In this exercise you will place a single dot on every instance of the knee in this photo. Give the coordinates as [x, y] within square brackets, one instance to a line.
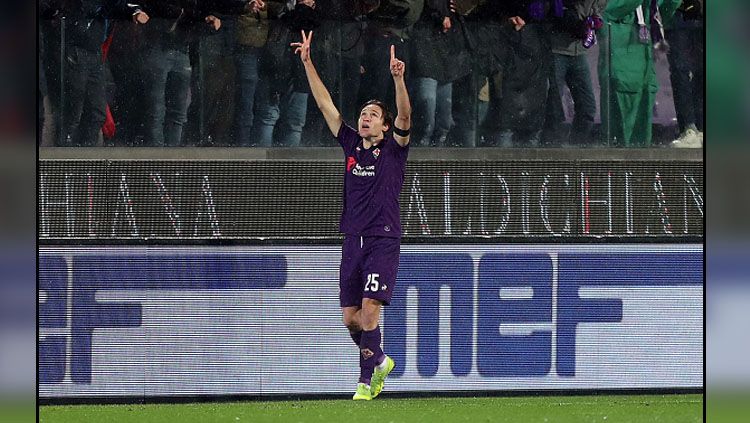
[369, 321]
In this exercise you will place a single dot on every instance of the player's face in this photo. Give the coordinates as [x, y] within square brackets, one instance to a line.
[371, 122]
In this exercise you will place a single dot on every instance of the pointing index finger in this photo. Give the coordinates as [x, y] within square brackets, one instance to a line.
[393, 52]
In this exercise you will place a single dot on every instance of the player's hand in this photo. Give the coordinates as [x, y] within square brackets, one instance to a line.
[397, 66]
[303, 48]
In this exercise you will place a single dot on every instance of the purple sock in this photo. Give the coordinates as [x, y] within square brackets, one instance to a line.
[371, 354]
[357, 338]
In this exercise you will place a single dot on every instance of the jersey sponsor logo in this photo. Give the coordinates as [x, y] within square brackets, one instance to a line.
[363, 170]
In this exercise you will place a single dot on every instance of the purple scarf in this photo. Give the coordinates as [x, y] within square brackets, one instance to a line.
[657, 29]
[654, 31]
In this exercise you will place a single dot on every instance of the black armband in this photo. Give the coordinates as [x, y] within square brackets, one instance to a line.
[400, 132]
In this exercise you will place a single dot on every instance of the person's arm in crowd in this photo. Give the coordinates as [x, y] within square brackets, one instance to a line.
[168, 9]
[203, 16]
[667, 8]
[597, 8]
[304, 16]
[619, 9]
[235, 7]
[183, 13]
[439, 13]
[319, 91]
[403, 106]
[361, 8]
[517, 12]
[274, 8]
[121, 9]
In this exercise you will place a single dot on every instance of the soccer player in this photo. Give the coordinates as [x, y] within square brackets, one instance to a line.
[375, 166]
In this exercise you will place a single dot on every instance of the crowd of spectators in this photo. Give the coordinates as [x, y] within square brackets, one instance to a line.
[480, 72]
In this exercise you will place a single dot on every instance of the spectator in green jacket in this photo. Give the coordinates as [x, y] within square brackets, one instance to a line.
[626, 68]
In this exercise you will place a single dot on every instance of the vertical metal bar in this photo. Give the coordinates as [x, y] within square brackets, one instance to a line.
[201, 94]
[609, 84]
[61, 106]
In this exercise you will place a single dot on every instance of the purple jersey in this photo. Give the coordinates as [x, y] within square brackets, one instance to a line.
[372, 185]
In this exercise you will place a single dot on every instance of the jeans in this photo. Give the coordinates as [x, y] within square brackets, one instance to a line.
[282, 113]
[246, 62]
[76, 109]
[687, 72]
[167, 84]
[432, 111]
[574, 72]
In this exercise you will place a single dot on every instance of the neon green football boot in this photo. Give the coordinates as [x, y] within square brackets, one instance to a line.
[363, 393]
[378, 377]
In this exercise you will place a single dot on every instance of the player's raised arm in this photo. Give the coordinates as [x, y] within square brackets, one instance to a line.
[403, 106]
[319, 91]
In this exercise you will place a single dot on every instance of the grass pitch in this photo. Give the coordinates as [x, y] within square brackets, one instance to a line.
[574, 409]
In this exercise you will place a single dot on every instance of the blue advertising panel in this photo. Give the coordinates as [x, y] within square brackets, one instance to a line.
[148, 321]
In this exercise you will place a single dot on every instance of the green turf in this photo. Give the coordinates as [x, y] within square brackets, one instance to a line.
[574, 409]
[727, 406]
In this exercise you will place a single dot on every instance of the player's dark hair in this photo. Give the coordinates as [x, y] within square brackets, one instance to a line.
[387, 115]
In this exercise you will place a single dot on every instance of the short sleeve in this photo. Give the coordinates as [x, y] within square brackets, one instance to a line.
[348, 138]
[401, 153]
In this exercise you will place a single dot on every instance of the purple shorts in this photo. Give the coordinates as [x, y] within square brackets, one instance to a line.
[368, 269]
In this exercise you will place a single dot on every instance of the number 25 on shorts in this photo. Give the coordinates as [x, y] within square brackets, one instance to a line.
[372, 284]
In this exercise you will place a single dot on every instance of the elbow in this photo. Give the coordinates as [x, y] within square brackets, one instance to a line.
[403, 121]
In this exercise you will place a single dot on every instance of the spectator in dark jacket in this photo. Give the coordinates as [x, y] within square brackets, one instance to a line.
[125, 60]
[509, 50]
[484, 29]
[167, 69]
[283, 91]
[77, 92]
[438, 57]
[213, 86]
[570, 41]
[687, 71]
[522, 93]
[250, 36]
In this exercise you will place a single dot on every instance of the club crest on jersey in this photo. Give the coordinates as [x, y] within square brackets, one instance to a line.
[376, 152]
